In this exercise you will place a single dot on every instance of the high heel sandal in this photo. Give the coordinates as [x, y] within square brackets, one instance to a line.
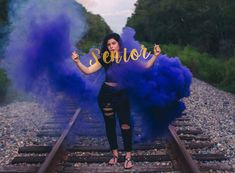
[115, 160]
[126, 162]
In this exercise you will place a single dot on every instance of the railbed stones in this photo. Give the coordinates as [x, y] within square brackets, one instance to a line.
[19, 124]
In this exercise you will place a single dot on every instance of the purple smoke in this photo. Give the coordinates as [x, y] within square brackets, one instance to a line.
[38, 61]
[40, 44]
[155, 92]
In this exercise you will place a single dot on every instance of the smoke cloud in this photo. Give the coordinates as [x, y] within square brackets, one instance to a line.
[40, 43]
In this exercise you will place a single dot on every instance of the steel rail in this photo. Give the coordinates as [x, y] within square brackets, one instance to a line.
[184, 159]
[57, 152]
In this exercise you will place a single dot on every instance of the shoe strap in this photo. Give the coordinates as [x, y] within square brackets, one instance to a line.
[127, 160]
[114, 156]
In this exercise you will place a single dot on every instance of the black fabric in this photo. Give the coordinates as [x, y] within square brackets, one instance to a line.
[104, 64]
[111, 97]
[106, 67]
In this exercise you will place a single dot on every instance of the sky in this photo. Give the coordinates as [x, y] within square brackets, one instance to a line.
[114, 12]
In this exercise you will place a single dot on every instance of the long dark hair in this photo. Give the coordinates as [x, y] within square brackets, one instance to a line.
[115, 36]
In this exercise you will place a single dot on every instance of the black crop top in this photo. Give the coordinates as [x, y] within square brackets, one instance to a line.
[108, 76]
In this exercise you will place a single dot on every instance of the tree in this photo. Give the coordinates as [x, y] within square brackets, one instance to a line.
[208, 25]
[3, 24]
[98, 28]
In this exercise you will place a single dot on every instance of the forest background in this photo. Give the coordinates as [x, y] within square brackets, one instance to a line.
[201, 33]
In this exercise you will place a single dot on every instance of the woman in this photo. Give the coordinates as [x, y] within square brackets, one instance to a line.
[113, 100]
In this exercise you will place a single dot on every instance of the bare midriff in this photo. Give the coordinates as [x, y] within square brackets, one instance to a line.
[112, 84]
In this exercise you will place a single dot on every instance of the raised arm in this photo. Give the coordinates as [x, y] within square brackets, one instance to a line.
[157, 51]
[86, 70]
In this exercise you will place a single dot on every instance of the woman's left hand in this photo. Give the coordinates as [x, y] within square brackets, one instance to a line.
[156, 50]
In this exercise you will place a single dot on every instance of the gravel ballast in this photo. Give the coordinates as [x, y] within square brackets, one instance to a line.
[209, 108]
[19, 124]
[213, 111]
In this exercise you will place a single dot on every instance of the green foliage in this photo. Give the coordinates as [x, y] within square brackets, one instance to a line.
[97, 31]
[220, 73]
[207, 25]
[3, 24]
[187, 29]
[4, 83]
[203, 65]
[3, 11]
[228, 82]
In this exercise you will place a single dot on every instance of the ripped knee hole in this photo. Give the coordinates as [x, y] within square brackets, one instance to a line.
[108, 114]
[125, 126]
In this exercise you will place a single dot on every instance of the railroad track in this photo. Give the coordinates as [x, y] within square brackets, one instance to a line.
[77, 143]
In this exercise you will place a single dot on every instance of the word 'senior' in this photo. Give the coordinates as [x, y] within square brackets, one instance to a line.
[134, 55]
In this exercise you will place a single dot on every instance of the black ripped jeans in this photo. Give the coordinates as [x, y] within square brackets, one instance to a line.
[113, 101]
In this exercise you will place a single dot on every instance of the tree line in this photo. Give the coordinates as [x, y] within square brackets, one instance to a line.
[208, 25]
[201, 33]
[97, 29]
[4, 81]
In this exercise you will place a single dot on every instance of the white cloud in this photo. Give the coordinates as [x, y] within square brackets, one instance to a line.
[87, 3]
[114, 12]
[118, 13]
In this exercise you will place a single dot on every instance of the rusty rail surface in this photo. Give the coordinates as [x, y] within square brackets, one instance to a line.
[62, 157]
[186, 163]
[57, 153]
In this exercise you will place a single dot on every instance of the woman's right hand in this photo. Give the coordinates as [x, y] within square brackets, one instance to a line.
[75, 56]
